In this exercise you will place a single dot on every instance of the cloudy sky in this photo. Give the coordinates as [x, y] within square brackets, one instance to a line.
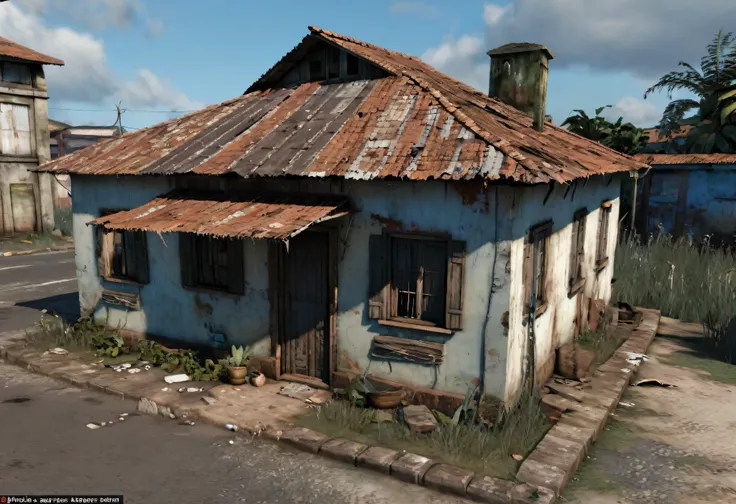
[161, 57]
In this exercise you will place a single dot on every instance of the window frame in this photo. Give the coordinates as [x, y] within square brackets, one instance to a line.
[604, 223]
[28, 67]
[538, 235]
[106, 239]
[576, 277]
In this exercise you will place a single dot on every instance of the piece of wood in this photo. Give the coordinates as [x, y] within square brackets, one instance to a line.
[455, 280]
[404, 349]
[566, 391]
[378, 281]
[558, 402]
[128, 300]
[418, 327]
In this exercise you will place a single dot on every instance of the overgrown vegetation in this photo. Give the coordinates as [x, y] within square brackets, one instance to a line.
[691, 282]
[603, 342]
[63, 220]
[484, 446]
[619, 136]
[86, 335]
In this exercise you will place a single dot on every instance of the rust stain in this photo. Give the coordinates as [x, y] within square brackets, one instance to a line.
[391, 224]
[468, 191]
[493, 353]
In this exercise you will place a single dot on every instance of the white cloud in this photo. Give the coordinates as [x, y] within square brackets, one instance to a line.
[86, 77]
[420, 8]
[634, 110]
[463, 59]
[641, 37]
[96, 14]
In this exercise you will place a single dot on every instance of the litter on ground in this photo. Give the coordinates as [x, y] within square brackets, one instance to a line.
[178, 378]
[92, 426]
[627, 404]
[653, 382]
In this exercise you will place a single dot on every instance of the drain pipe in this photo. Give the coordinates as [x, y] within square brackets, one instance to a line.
[484, 329]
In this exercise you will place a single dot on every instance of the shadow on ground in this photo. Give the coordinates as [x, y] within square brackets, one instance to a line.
[65, 306]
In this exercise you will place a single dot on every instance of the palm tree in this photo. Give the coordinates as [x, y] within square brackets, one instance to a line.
[717, 70]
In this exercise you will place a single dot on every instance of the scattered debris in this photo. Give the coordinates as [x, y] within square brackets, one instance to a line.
[566, 391]
[122, 367]
[231, 427]
[123, 414]
[558, 402]
[257, 379]
[231, 442]
[382, 416]
[649, 382]
[121, 418]
[320, 398]
[636, 358]
[58, 351]
[626, 370]
[178, 378]
[298, 391]
[517, 457]
[627, 404]
[165, 389]
[419, 419]
[92, 426]
[209, 400]
[186, 422]
[134, 370]
[191, 389]
[29, 242]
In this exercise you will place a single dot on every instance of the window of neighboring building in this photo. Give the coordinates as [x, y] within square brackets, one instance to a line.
[15, 130]
[353, 65]
[212, 263]
[416, 281]
[535, 268]
[122, 255]
[17, 73]
[577, 252]
[333, 62]
[603, 230]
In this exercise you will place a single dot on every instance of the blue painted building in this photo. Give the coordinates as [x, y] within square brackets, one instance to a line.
[352, 203]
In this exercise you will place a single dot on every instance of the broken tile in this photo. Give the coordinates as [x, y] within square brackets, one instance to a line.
[419, 419]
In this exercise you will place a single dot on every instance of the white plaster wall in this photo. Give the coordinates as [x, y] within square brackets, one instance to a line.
[556, 325]
[168, 309]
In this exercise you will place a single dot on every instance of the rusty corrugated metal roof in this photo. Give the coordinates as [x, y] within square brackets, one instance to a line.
[15, 50]
[416, 123]
[265, 216]
[686, 159]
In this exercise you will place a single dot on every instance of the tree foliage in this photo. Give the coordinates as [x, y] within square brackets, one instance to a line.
[714, 103]
[623, 137]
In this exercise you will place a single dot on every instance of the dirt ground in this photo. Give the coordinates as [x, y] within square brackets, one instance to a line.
[674, 445]
[25, 242]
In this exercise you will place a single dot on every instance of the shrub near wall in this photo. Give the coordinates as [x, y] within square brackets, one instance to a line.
[684, 280]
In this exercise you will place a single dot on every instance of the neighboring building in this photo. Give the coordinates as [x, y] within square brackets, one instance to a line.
[689, 195]
[659, 144]
[356, 200]
[26, 198]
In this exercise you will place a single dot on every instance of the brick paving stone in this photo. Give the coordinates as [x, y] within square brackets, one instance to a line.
[378, 458]
[411, 467]
[343, 449]
[448, 478]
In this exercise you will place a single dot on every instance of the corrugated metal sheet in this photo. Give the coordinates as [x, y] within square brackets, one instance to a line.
[14, 50]
[418, 124]
[686, 159]
[265, 216]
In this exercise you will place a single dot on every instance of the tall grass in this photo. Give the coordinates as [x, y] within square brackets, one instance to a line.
[685, 280]
[63, 220]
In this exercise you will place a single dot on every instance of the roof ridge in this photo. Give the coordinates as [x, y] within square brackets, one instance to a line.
[32, 54]
[328, 33]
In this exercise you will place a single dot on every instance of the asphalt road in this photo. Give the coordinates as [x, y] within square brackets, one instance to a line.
[31, 283]
[46, 448]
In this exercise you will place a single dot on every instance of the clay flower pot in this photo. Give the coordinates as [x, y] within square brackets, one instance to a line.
[387, 399]
[257, 379]
[237, 375]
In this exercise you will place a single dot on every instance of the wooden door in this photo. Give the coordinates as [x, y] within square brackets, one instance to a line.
[305, 344]
[23, 207]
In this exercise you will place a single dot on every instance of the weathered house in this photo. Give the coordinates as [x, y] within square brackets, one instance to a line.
[357, 210]
[689, 195]
[26, 198]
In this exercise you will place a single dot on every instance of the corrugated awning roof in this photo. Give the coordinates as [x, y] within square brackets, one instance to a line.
[265, 216]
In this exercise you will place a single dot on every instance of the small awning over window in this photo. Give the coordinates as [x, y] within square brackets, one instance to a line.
[267, 216]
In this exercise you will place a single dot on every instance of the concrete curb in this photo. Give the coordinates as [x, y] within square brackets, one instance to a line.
[36, 251]
[405, 466]
[556, 458]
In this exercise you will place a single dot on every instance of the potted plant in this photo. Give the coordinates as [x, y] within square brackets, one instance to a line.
[237, 371]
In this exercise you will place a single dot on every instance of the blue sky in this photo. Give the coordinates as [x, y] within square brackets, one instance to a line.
[161, 55]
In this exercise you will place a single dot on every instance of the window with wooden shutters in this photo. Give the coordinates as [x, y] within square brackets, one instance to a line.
[122, 255]
[603, 230]
[15, 130]
[577, 252]
[535, 268]
[212, 263]
[17, 73]
[416, 281]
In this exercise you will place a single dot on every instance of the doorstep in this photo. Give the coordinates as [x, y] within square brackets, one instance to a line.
[556, 458]
[263, 411]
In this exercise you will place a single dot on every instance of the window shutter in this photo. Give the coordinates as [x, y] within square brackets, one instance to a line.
[186, 259]
[574, 245]
[235, 267]
[106, 249]
[378, 277]
[455, 279]
[528, 270]
[141, 256]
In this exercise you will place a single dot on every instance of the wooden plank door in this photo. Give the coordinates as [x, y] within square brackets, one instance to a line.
[305, 346]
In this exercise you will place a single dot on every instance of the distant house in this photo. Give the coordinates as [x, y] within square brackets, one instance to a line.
[689, 195]
[356, 201]
[26, 198]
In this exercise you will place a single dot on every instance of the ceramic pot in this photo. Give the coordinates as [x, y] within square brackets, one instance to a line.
[257, 379]
[389, 399]
[237, 375]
